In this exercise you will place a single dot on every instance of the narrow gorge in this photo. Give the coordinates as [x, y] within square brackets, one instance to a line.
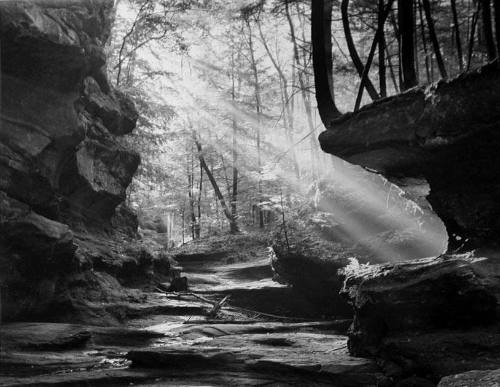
[183, 203]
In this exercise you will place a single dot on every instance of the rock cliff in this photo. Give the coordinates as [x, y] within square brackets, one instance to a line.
[63, 171]
[433, 317]
[446, 133]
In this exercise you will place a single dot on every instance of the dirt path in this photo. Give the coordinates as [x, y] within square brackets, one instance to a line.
[178, 346]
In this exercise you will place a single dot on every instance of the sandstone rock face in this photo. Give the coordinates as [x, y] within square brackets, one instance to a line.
[490, 378]
[53, 156]
[447, 134]
[61, 165]
[431, 317]
[420, 295]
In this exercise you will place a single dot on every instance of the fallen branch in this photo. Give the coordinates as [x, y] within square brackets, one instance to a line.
[217, 321]
[217, 307]
[237, 308]
[180, 294]
[268, 314]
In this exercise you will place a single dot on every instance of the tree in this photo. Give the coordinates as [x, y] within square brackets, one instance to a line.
[381, 50]
[286, 99]
[406, 24]
[434, 39]
[321, 38]
[458, 40]
[258, 107]
[232, 221]
[488, 29]
[496, 5]
[356, 60]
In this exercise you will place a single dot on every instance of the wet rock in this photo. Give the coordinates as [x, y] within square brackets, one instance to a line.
[44, 337]
[421, 295]
[321, 357]
[489, 378]
[448, 134]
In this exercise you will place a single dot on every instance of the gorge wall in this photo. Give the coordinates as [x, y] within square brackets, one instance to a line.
[63, 172]
[447, 134]
[437, 316]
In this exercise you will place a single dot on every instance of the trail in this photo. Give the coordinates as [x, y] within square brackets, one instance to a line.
[264, 335]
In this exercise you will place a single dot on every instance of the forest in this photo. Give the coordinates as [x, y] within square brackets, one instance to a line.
[229, 89]
[250, 192]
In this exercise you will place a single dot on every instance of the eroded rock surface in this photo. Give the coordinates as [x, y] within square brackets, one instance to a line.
[432, 317]
[180, 343]
[448, 134]
[63, 171]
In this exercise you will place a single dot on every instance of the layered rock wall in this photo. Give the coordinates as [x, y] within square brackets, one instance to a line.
[448, 134]
[63, 171]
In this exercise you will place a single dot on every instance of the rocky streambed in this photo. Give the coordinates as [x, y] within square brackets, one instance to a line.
[265, 334]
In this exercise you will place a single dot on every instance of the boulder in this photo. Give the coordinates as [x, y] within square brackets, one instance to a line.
[421, 295]
[431, 317]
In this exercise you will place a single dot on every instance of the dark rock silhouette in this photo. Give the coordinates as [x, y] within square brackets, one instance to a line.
[63, 171]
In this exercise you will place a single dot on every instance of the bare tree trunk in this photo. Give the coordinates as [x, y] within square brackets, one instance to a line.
[234, 193]
[306, 97]
[321, 39]
[212, 180]
[391, 69]
[405, 23]
[258, 104]
[198, 220]
[285, 99]
[432, 35]
[458, 40]
[371, 54]
[488, 29]
[190, 192]
[381, 51]
[475, 17]
[496, 4]
[303, 89]
[352, 47]
[424, 42]
[183, 214]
